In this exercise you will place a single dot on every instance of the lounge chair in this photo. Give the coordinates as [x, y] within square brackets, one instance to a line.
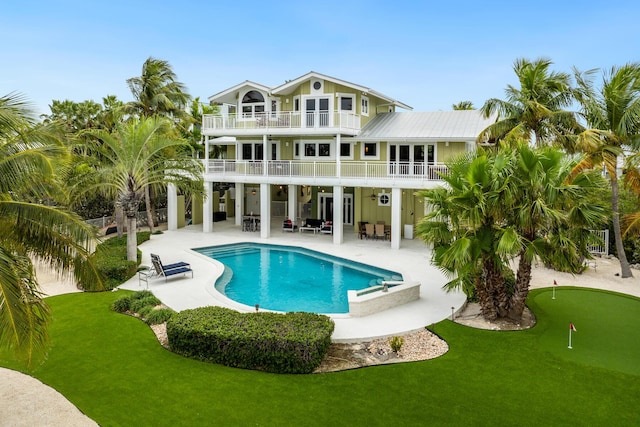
[327, 227]
[170, 269]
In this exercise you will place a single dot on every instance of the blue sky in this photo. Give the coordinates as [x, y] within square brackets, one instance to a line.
[428, 54]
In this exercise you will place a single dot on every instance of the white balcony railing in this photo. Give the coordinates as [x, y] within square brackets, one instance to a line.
[315, 169]
[281, 120]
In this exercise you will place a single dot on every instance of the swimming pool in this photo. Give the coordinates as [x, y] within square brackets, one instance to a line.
[289, 278]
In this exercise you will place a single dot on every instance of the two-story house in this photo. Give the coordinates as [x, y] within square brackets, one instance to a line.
[324, 148]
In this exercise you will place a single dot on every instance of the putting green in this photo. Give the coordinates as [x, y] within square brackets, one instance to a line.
[607, 326]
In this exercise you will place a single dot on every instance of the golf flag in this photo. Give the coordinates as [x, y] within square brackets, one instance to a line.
[553, 290]
[555, 283]
[571, 329]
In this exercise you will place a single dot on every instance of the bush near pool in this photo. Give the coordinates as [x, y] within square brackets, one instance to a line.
[292, 343]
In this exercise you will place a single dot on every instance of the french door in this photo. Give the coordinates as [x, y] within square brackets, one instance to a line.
[317, 112]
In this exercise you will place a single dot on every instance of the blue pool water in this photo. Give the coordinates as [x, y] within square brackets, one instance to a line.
[288, 278]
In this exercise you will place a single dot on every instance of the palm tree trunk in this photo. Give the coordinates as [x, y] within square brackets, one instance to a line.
[120, 220]
[521, 291]
[147, 199]
[615, 213]
[132, 241]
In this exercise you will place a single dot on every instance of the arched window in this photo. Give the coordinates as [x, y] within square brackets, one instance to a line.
[252, 104]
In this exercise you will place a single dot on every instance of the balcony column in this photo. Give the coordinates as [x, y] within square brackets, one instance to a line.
[239, 202]
[338, 155]
[292, 202]
[207, 208]
[265, 154]
[172, 207]
[206, 154]
[265, 211]
[338, 202]
[396, 217]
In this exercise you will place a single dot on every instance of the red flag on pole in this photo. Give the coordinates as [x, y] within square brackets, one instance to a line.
[555, 283]
[573, 328]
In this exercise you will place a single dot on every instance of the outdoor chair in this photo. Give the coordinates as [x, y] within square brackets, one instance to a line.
[327, 228]
[170, 269]
[380, 232]
[369, 230]
[288, 225]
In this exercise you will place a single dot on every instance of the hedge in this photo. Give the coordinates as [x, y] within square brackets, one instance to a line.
[293, 343]
[110, 258]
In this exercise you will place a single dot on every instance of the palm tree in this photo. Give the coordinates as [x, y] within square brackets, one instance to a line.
[463, 105]
[136, 156]
[535, 110]
[612, 115]
[158, 93]
[514, 202]
[31, 230]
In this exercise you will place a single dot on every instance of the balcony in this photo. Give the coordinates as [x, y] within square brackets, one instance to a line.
[350, 173]
[281, 123]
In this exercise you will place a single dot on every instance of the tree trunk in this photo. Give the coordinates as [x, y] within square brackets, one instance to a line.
[150, 210]
[521, 291]
[489, 290]
[622, 256]
[119, 220]
[132, 241]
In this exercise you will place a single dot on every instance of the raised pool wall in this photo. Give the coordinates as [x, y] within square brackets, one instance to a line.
[363, 304]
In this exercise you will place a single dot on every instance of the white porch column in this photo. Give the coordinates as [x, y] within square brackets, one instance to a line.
[207, 208]
[265, 211]
[172, 207]
[239, 202]
[396, 217]
[292, 202]
[338, 202]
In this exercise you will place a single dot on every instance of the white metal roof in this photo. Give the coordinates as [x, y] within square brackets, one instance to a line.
[456, 125]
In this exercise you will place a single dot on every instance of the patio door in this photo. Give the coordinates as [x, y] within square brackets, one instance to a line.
[317, 112]
[326, 206]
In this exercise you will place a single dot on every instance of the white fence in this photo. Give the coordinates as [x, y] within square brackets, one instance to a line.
[602, 247]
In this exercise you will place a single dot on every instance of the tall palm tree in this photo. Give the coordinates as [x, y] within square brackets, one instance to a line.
[32, 230]
[157, 92]
[136, 156]
[535, 109]
[612, 115]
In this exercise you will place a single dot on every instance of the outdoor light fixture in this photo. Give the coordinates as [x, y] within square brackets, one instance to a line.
[253, 191]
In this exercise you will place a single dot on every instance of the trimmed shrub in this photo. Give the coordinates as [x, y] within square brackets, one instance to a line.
[158, 316]
[122, 304]
[293, 343]
[110, 259]
[138, 304]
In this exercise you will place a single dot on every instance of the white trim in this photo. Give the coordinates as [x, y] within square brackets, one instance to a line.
[313, 90]
[303, 149]
[352, 150]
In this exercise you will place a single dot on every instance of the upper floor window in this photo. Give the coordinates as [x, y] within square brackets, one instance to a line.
[364, 106]
[347, 103]
[252, 104]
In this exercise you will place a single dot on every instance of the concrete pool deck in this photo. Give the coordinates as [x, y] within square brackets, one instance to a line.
[412, 260]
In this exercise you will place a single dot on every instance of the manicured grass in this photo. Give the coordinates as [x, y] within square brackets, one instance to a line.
[113, 369]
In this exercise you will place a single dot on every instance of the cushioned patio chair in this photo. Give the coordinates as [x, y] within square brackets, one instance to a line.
[288, 225]
[369, 230]
[327, 227]
[380, 232]
[170, 269]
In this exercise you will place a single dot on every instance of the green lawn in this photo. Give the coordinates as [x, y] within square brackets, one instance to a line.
[113, 369]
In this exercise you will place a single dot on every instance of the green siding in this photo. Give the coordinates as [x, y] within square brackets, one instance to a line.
[446, 152]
